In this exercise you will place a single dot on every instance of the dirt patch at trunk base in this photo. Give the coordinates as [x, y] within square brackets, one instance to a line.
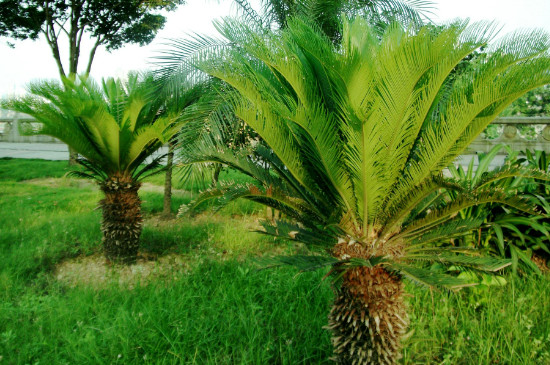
[96, 272]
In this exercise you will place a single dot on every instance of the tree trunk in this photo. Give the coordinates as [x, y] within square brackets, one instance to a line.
[368, 317]
[73, 156]
[167, 208]
[122, 220]
[216, 174]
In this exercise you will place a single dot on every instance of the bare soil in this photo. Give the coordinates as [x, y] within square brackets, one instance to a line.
[96, 272]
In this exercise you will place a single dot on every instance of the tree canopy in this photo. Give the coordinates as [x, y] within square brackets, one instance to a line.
[111, 23]
[326, 13]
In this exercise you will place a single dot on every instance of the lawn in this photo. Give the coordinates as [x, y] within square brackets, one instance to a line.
[206, 301]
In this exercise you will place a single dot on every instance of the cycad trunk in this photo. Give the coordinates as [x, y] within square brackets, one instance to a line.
[369, 316]
[122, 220]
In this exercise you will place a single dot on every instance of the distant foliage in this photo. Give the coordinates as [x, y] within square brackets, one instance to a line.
[535, 103]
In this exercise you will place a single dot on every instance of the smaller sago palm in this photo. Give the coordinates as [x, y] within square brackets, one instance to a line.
[115, 128]
[356, 137]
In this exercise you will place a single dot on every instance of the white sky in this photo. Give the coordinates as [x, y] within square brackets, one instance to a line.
[32, 60]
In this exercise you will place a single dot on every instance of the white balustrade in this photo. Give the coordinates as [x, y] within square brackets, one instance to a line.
[520, 133]
[507, 130]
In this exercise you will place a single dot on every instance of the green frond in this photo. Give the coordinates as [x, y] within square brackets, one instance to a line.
[439, 216]
[92, 169]
[478, 263]
[311, 263]
[179, 62]
[446, 231]
[400, 207]
[151, 168]
[428, 278]
[83, 175]
[316, 236]
[507, 171]
[301, 262]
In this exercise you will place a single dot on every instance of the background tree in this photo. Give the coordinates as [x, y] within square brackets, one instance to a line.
[191, 102]
[535, 103]
[115, 127]
[275, 14]
[111, 23]
[358, 137]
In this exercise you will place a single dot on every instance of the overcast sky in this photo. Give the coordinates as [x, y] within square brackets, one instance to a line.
[32, 60]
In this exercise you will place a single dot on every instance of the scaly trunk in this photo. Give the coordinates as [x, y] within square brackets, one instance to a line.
[122, 220]
[368, 317]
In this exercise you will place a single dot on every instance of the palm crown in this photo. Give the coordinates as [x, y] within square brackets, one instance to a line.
[362, 133]
[115, 126]
[357, 136]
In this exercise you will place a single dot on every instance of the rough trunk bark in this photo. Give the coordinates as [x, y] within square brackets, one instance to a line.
[167, 208]
[73, 156]
[368, 317]
[122, 219]
[216, 174]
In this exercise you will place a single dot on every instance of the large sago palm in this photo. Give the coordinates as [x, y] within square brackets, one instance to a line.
[356, 137]
[115, 127]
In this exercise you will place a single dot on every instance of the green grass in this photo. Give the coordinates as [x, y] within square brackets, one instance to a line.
[222, 310]
[498, 325]
[220, 313]
[20, 169]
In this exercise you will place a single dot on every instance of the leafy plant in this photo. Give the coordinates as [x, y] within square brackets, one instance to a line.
[358, 135]
[506, 232]
[115, 128]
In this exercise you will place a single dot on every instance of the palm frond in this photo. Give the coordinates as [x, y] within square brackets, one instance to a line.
[114, 127]
[428, 278]
[446, 231]
[478, 263]
[301, 262]
[151, 168]
[310, 263]
[316, 236]
[438, 216]
[507, 171]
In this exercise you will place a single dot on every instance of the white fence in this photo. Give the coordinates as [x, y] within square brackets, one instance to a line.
[13, 124]
[520, 133]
